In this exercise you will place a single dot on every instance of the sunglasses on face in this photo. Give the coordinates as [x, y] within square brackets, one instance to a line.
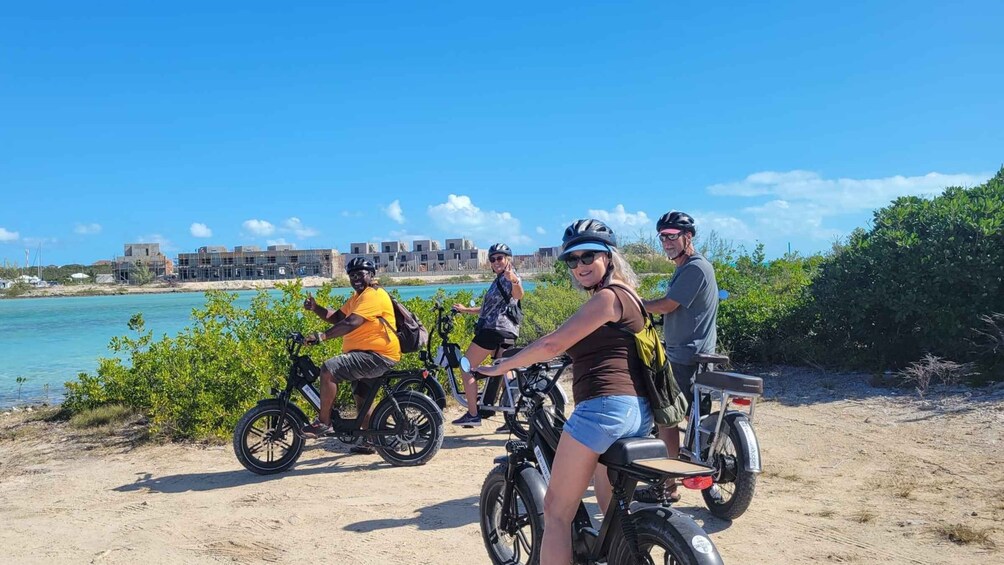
[670, 236]
[358, 274]
[586, 258]
[496, 258]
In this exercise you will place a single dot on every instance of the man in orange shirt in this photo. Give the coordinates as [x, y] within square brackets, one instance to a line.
[369, 349]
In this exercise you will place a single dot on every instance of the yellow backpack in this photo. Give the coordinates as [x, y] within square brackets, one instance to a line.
[669, 404]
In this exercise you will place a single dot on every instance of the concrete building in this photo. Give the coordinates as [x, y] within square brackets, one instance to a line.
[249, 262]
[425, 255]
[139, 255]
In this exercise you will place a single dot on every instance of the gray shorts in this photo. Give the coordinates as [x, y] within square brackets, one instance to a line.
[358, 366]
[683, 373]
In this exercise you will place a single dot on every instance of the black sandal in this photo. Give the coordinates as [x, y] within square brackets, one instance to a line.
[364, 447]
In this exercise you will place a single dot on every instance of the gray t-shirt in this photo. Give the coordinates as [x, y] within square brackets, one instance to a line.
[691, 328]
[493, 309]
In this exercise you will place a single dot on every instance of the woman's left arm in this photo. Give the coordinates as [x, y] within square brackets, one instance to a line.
[603, 307]
[517, 283]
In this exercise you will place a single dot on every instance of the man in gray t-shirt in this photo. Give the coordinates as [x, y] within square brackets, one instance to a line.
[689, 310]
[690, 327]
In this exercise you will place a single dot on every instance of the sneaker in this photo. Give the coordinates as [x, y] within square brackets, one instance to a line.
[315, 429]
[468, 420]
[503, 429]
[658, 493]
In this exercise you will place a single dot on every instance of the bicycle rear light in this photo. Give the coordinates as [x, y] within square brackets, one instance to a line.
[698, 483]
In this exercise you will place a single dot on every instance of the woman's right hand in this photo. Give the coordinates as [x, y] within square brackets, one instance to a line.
[459, 308]
[309, 303]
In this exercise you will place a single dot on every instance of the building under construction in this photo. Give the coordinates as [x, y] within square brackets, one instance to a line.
[138, 256]
[458, 254]
[249, 262]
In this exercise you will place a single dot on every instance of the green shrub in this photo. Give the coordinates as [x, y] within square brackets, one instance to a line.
[917, 282]
[765, 319]
[198, 383]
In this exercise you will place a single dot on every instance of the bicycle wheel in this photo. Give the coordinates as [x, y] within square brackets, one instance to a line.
[660, 543]
[424, 386]
[417, 435]
[264, 444]
[519, 421]
[734, 486]
[518, 542]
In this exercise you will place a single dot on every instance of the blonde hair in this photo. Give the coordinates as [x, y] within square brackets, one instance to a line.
[617, 268]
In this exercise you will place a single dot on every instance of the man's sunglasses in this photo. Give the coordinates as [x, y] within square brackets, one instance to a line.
[586, 258]
[670, 236]
[496, 258]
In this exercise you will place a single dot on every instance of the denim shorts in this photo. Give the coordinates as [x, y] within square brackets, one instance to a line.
[598, 422]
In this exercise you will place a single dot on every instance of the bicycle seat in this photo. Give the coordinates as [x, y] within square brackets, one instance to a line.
[711, 358]
[731, 382]
[510, 352]
[630, 449]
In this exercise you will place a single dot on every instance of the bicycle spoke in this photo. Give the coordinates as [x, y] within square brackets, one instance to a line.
[256, 447]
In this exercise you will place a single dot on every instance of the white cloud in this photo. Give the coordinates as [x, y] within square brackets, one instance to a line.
[87, 229]
[295, 226]
[259, 227]
[200, 230]
[280, 241]
[623, 223]
[348, 214]
[394, 212]
[165, 244]
[403, 235]
[7, 236]
[728, 227]
[460, 217]
[799, 203]
[35, 241]
[843, 194]
[541, 231]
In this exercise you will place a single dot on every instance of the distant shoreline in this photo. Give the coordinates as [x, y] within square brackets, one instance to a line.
[388, 279]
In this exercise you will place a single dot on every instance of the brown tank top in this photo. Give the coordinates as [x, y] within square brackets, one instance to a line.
[606, 362]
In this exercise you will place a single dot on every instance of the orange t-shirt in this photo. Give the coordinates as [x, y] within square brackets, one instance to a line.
[373, 335]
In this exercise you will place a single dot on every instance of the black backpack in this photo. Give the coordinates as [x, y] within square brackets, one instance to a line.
[512, 311]
[410, 331]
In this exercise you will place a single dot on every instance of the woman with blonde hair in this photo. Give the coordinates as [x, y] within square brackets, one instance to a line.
[610, 398]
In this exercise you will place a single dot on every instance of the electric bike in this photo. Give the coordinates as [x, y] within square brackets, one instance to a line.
[406, 428]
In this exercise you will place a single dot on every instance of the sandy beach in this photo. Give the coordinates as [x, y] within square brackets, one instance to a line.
[90, 289]
[853, 474]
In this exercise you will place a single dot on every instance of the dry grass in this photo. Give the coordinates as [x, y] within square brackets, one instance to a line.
[782, 474]
[826, 513]
[863, 516]
[903, 487]
[930, 369]
[18, 425]
[964, 534]
[102, 416]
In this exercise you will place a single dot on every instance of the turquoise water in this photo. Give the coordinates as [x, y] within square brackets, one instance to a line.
[50, 340]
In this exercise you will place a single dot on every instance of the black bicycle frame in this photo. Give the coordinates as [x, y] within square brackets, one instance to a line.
[545, 431]
[303, 373]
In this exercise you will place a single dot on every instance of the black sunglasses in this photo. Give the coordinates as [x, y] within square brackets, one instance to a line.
[586, 258]
[670, 236]
[496, 258]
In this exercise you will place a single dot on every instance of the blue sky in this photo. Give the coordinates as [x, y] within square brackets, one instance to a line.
[321, 124]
